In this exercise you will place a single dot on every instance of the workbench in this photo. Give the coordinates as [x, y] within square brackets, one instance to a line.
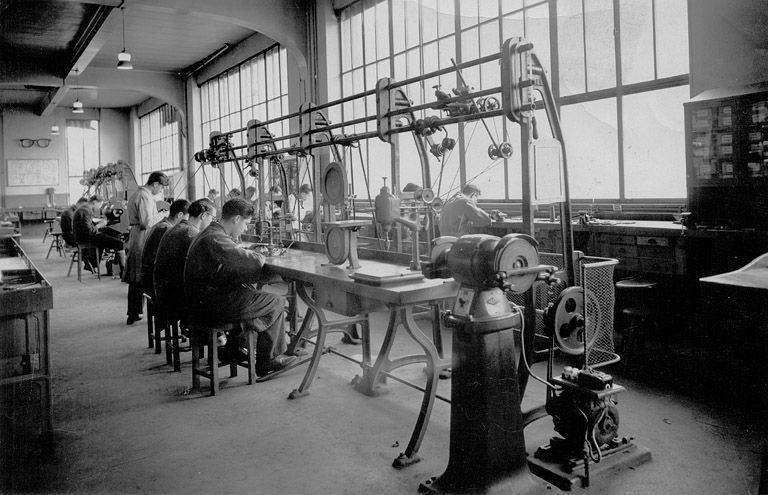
[25, 376]
[641, 246]
[324, 287]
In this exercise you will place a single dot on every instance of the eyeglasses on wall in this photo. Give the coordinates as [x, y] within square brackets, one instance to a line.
[41, 143]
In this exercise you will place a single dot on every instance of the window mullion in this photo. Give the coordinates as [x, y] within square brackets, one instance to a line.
[619, 96]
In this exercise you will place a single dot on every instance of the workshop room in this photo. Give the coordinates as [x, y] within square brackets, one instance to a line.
[384, 246]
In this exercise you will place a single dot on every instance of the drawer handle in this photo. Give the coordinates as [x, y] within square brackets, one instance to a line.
[651, 241]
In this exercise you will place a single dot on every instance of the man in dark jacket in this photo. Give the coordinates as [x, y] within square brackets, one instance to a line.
[218, 278]
[87, 231]
[172, 254]
[459, 214]
[66, 222]
[176, 214]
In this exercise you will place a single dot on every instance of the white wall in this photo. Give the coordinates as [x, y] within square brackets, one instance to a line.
[22, 124]
[728, 43]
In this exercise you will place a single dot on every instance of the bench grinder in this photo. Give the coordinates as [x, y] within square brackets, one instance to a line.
[487, 445]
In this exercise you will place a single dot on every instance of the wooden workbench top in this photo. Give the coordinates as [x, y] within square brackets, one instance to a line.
[314, 268]
[634, 227]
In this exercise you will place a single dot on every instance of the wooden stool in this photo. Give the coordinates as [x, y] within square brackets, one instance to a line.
[638, 314]
[48, 228]
[206, 334]
[56, 243]
[77, 256]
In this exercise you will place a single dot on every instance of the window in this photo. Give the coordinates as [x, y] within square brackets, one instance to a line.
[621, 78]
[82, 154]
[255, 89]
[622, 97]
[160, 141]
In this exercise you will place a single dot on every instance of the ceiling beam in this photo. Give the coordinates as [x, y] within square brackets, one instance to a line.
[108, 3]
[99, 30]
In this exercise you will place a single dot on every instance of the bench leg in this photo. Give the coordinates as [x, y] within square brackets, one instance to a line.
[213, 360]
[175, 341]
[195, 343]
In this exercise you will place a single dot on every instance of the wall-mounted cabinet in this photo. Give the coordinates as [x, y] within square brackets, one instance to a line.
[727, 158]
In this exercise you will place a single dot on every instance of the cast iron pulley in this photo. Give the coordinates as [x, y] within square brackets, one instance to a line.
[571, 324]
[337, 245]
[334, 184]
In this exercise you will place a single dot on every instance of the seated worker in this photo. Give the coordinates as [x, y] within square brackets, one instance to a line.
[234, 193]
[218, 278]
[460, 213]
[177, 213]
[66, 222]
[86, 231]
[172, 253]
[301, 207]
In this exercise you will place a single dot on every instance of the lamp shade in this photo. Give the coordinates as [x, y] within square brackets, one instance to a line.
[124, 61]
[55, 130]
[77, 106]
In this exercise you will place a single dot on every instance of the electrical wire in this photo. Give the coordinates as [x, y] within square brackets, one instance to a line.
[522, 349]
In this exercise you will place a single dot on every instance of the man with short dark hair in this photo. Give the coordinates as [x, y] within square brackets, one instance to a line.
[87, 231]
[142, 215]
[459, 214]
[172, 253]
[177, 213]
[66, 222]
[218, 278]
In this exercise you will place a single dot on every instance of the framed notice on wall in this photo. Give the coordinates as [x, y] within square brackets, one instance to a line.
[31, 172]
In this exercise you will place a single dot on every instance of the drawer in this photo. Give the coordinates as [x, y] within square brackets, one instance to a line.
[618, 251]
[665, 253]
[615, 239]
[32, 215]
[653, 241]
[657, 266]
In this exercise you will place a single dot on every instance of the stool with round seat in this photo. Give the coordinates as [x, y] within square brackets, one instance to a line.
[57, 243]
[637, 296]
[206, 334]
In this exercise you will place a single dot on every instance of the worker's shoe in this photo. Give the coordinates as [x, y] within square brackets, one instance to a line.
[274, 365]
[132, 319]
[298, 351]
[232, 354]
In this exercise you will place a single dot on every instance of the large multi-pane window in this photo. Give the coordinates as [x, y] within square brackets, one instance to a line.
[160, 141]
[620, 78]
[255, 89]
[82, 153]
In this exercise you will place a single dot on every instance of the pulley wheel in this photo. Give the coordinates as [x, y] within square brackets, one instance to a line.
[437, 204]
[570, 315]
[516, 251]
[334, 184]
[506, 150]
[337, 245]
[427, 195]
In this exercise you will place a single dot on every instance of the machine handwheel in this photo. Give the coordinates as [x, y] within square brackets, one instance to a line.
[516, 251]
[334, 184]
[571, 320]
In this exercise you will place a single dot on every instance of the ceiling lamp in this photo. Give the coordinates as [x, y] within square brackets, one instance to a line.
[77, 106]
[124, 58]
[55, 130]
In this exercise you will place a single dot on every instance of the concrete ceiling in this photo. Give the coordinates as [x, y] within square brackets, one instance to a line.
[50, 49]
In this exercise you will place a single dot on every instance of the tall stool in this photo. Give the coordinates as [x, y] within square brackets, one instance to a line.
[56, 243]
[202, 335]
[77, 257]
[637, 296]
[48, 228]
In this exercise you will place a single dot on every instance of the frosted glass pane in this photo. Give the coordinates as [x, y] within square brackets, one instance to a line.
[488, 9]
[512, 26]
[468, 13]
[382, 30]
[369, 33]
[570, 45]
[346, 44]
[636, 41]
[485, 173]
[537, 30]
[672, 37]
[447, 51]
[511, 5]
[398, 25]
[429, 20]
[411, 23]
[446, 18]
[654, 144]
[601, 55]
[356, 35]
[470, 45]
[590, 135]
[489, 38]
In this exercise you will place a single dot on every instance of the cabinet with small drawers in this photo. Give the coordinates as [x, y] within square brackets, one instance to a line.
[659, 255]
